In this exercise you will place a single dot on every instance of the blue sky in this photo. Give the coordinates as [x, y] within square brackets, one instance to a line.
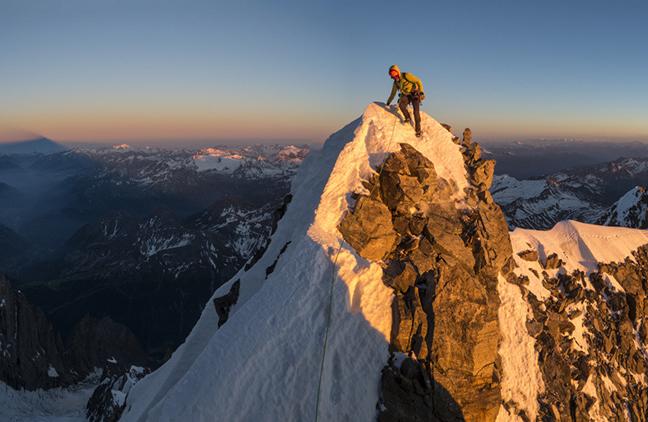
[184, 71]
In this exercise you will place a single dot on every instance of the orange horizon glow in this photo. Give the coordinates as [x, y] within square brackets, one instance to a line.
[169, 126]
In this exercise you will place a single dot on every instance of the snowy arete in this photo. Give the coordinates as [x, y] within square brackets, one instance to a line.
[390, 289]
[264, 362]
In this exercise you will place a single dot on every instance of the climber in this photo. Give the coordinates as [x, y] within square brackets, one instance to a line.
[411, 92]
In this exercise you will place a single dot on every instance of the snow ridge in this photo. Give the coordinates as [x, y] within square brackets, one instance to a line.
[581, 246]
[263, 363]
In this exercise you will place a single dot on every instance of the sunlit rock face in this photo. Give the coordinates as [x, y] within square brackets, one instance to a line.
[442, 259]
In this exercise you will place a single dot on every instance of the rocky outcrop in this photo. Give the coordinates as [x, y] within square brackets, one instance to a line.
[619, 325]
[369, 229]
[467, 137]
[222, 304]
[530, 255]
[590, 337]
[552, 262]
[442, 258]
[108, 401]
[34, 356]
[31, 351]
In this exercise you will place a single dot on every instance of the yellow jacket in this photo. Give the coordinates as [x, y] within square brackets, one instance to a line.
[406, 84]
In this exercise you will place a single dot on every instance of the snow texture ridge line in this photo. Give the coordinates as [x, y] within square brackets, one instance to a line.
[267, 353]
[330, 304]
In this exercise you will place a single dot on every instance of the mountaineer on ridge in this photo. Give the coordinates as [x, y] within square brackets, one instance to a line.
[411, 92]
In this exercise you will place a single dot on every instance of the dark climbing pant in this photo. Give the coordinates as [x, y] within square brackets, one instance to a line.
[404, 101]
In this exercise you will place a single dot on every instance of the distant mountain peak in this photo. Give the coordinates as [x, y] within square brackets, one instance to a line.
[631, 210]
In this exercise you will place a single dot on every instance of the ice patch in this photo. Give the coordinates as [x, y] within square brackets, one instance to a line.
[51, 372]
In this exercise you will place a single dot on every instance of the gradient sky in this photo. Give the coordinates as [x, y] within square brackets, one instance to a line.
[188, 71]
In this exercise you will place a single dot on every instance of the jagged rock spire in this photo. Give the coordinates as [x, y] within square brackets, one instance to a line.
[442, 262]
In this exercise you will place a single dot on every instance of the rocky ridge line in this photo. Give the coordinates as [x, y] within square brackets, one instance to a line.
[599, 374]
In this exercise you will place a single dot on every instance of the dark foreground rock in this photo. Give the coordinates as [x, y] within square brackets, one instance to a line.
[31, 351]
[442, 260]
[222, 304]
[33, 354]
[108, 401]
[104, 344]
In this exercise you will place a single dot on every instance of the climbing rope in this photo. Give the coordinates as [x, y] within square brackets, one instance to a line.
[329, 308]
[329, 314]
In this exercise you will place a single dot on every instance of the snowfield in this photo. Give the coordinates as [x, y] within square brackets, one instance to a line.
[217, 159]
[581, 246]
[264, 363]
[55, 405]
[250, 161]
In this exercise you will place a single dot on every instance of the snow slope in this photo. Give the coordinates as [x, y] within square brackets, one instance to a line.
[264, 363]
[581, 246]
[55, 405]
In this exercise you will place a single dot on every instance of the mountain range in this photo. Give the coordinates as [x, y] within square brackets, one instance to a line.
[387, 286]
[585, 194]
[142, 236]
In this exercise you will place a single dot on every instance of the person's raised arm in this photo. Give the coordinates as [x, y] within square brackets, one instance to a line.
[393, 93]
